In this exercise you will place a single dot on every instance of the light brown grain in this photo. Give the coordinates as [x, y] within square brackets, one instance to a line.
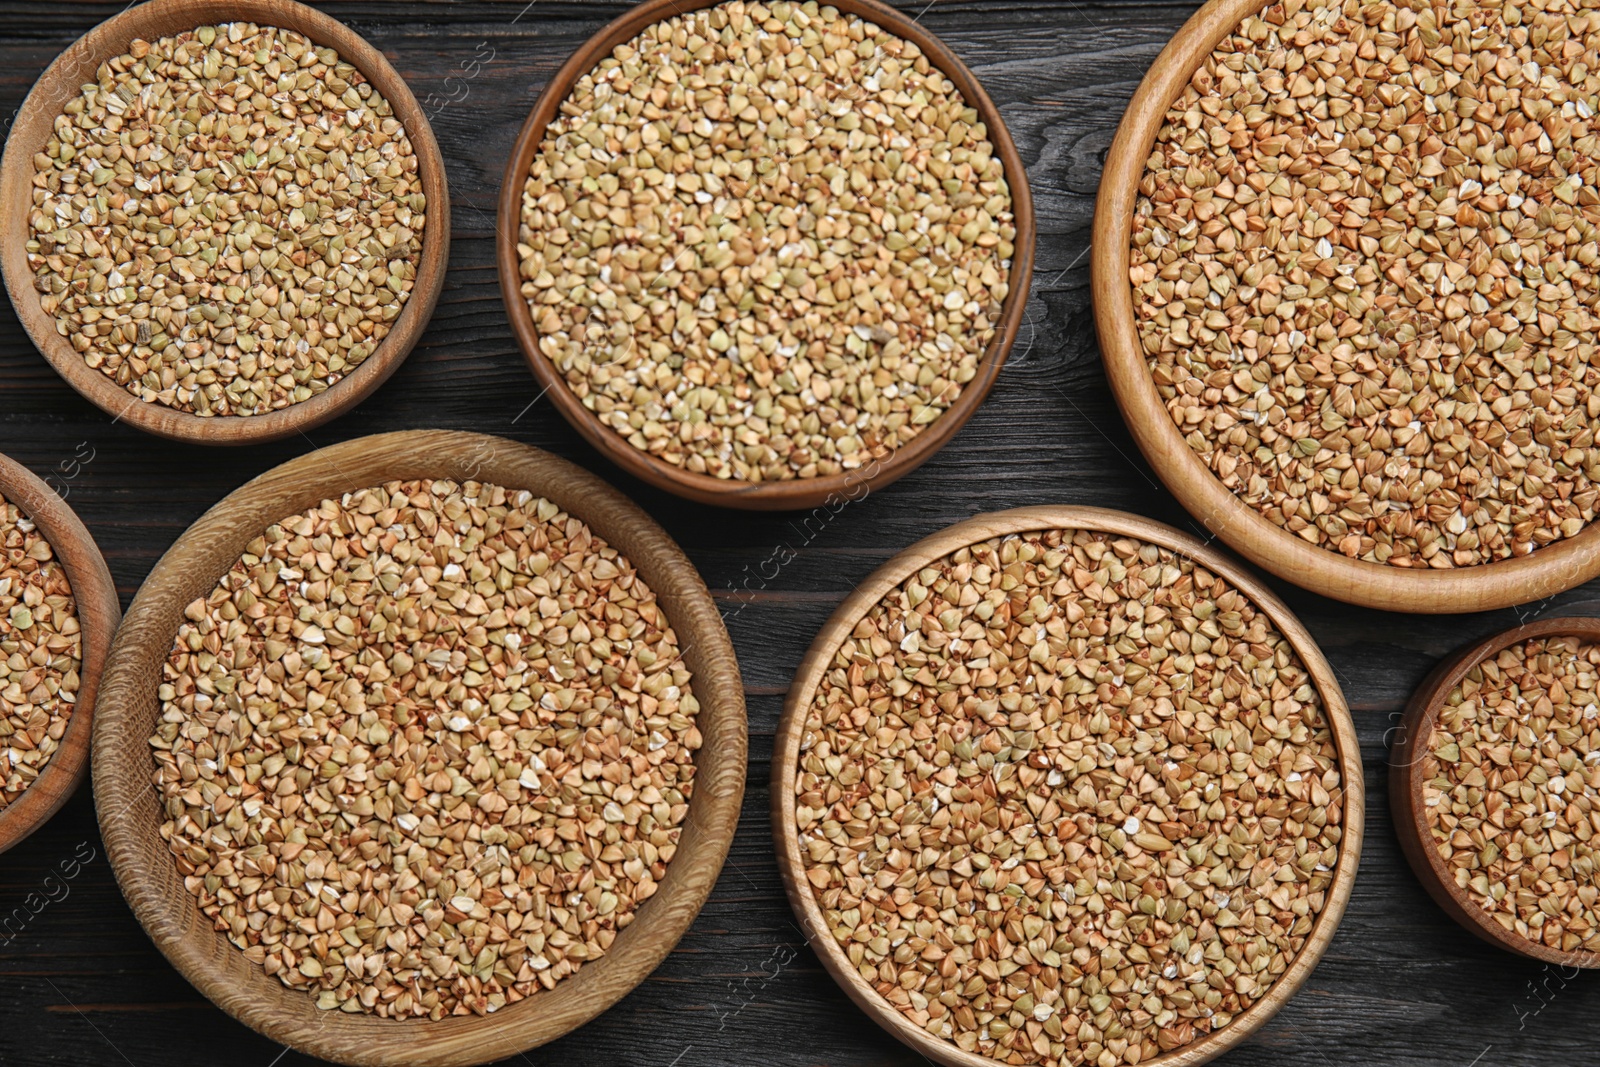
[425, 749]
[226, 221]
[41, 652]
[766, 242]
[1067, 798]
[1510, 775]
[1363, 269]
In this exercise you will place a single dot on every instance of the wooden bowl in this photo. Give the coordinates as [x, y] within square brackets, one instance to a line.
[62, 81]
[818, 660]
[1484, 587]
[1406, 781]
[733, 493]
[130, 812]
[99, 611]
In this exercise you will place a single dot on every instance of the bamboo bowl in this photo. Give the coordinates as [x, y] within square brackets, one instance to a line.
[819, 659]
[1407, 778]
[1542, 573]
[99, 611]
[130, 813]
[734, 493]
[61, 82]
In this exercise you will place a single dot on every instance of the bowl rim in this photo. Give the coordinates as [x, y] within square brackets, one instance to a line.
[1406, 786]
[799, 492]
[1548, 570]
[818, 659]
[129, 811]
[60, 81]
[98, 611]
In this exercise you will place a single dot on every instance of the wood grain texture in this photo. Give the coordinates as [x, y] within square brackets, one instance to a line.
[1400, 986]
[819, 660]
[734, 493]
[31, 129]
[95, 600]
[1549, 570]
[1407, 787]
[131, 814]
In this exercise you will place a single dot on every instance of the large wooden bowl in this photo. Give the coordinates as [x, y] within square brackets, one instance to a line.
[62, 81]
[1406, 788]
[819, 660]
[94, 595]
[1545, 571]
[130, 812]
[734, 493]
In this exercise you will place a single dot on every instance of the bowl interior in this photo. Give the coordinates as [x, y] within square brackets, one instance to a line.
[818, 662]
[1407, 784]
[62, 81]
[795, 493]
[130, 814]
[94, 596]
[1485, 587]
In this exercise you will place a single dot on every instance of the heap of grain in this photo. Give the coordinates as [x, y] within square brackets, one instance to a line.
[1511, 773]
[764, 242]
[1068, 798]
[226, 221]
[1363, 262]
[425, 749]
[41, 652]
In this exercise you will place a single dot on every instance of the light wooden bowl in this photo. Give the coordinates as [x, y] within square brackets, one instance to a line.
[62, 81]
[733, 493]
[1406, 780]
[130, 812]
[95, 596]
[1544, 572]
[818, 661]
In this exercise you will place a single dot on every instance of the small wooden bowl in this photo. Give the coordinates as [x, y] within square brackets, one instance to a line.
[1406, 780]
[62, 81]
[130, 812]
[818, 661]
[733, 493]
[99, 611]
[1484, 587]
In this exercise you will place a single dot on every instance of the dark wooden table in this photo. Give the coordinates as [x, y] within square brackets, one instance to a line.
[1402, 985]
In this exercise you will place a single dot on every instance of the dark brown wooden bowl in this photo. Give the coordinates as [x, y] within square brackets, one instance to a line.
[99, 611]
[1406, 780]
[130, 811]
[62, 81]
[1544, 572]
[839, 628]
[733, 493]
